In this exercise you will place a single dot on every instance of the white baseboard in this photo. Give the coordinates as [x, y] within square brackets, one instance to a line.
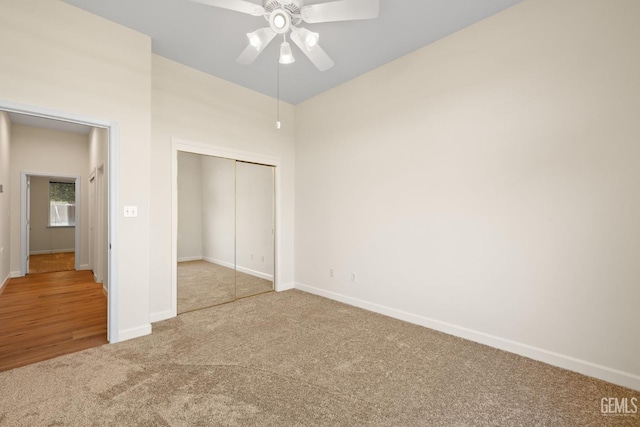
[584, 367]
[285, 287]
[219, 262]
[162, 315]
[190, 258]
[84, 267]
[4, 282]
[52, 251]
[15, 274]
[136, 332]
[254, 273]
[239, 268]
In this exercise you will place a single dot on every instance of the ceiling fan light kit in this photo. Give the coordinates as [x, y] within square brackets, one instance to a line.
[285, 16]
[309, 38]
[286, 56]
[258, 38]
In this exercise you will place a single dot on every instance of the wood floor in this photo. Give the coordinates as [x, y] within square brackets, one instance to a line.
[48, 263]
[47, 315]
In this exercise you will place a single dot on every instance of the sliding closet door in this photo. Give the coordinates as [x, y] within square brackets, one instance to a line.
[225, 230]
[254, 229]
[206, 231]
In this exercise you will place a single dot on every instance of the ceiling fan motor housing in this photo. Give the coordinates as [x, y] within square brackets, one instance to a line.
[291, 7]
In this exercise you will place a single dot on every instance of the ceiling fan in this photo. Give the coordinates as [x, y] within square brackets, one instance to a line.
[285, 16]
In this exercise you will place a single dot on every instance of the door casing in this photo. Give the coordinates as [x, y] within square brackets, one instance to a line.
[111, 244]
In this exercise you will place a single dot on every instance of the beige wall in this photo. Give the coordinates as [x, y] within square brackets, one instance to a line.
[218, 210]
[98, 148]
[52, 153]
[487, 186]
[5, 242]
[58, 57]
[99, 204]
[189, 207]
[191, 105]
[42, 238]
[254, 219]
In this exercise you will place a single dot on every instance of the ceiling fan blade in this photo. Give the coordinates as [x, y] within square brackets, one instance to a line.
[237, 5]
[317, 55]
[250, 53]
[340, 10]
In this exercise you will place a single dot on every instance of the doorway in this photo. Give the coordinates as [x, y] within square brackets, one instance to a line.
[50, 119]
[225, 230]
[50, 223]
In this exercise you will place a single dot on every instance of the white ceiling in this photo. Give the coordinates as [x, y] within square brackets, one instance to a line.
[210, 39]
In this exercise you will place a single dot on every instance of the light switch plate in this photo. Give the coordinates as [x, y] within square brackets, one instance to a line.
[130, 211]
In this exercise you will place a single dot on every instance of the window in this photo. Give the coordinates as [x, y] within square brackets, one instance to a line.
[62, 204]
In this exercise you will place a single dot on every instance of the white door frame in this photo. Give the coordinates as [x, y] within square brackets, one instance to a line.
[25, 210]
[187, 146]
[92, 221]
[98, 235]
[113, 155]
[25, 223]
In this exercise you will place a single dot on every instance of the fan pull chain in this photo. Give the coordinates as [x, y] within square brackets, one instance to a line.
[278, 124]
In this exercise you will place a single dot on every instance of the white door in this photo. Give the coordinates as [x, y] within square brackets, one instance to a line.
[92, 223]
[25, 222]
[28, 223]
[101, 227]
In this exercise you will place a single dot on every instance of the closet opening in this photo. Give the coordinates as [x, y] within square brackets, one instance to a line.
[224, 227]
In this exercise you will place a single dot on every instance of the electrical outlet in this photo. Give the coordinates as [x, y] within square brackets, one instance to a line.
[251, 257]
[331, 273]
[354, 277]
[262, 258]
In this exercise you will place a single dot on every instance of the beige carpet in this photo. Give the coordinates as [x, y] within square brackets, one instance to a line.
[203, 284]
[294, 359]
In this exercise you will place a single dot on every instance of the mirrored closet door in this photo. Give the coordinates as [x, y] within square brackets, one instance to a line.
[254, 229]
[225, 230]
